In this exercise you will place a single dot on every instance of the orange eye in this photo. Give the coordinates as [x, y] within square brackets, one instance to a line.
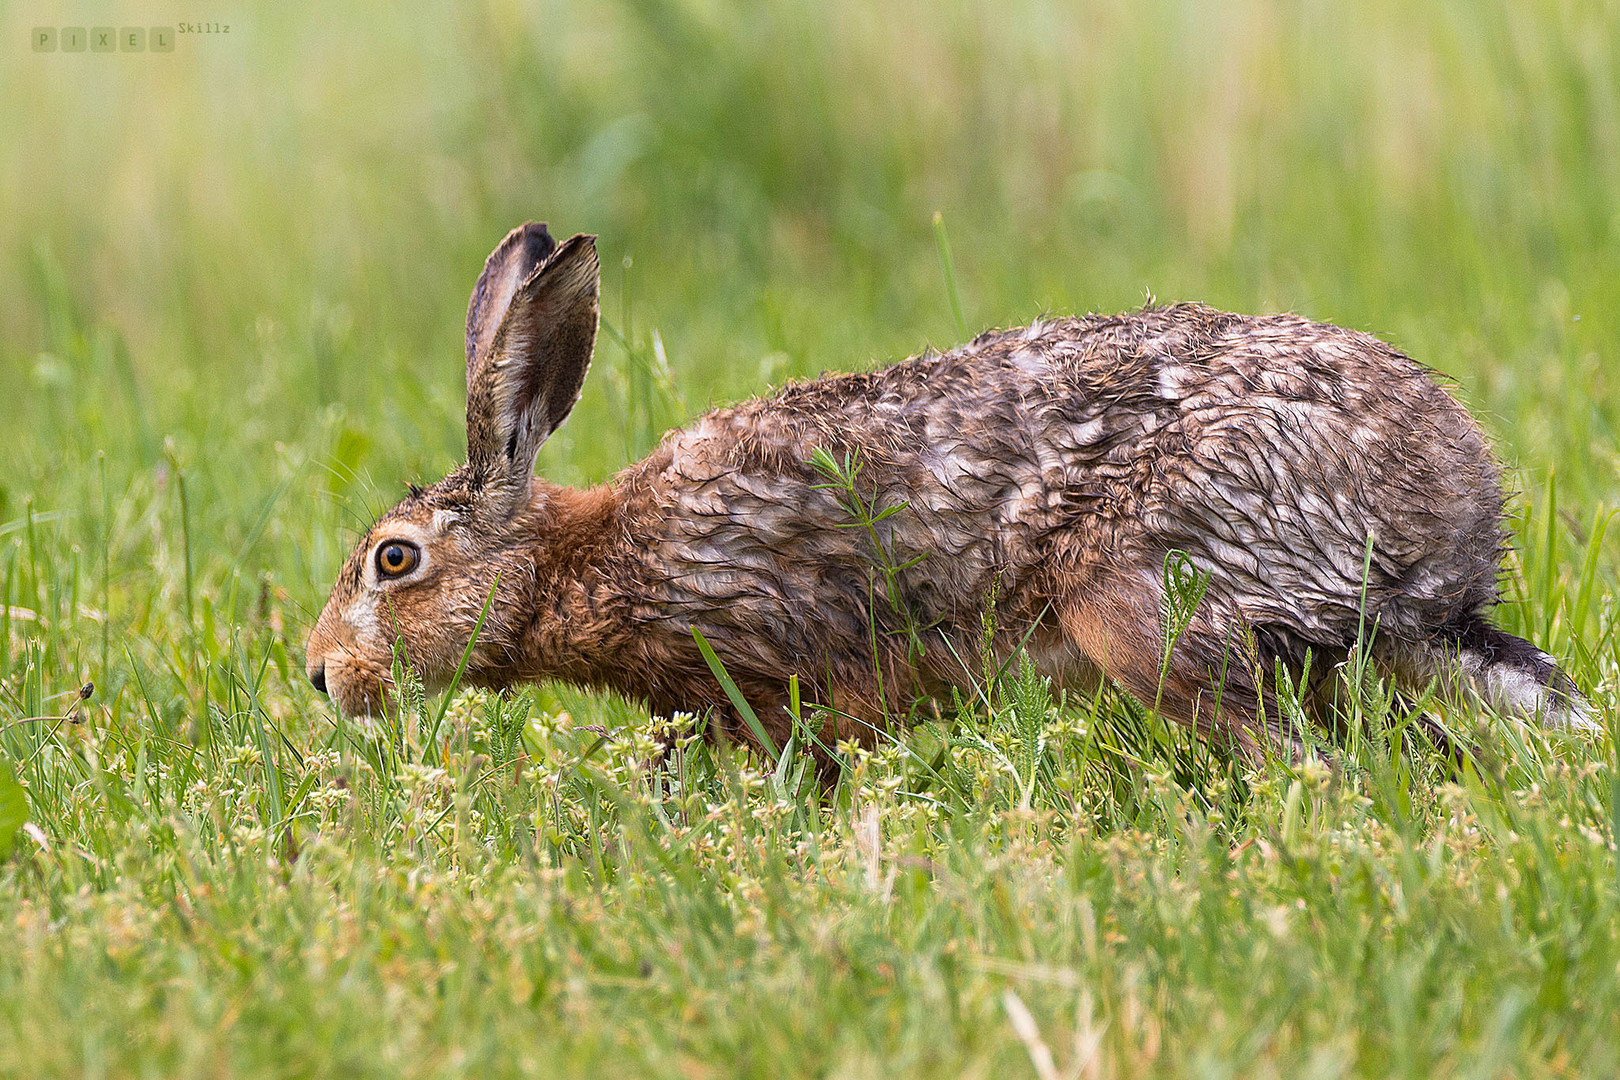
[397, 557]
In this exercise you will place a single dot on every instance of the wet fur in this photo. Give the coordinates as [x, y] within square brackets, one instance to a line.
[1051, 467]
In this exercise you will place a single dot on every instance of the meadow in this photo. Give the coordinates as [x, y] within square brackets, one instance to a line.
[232, 285]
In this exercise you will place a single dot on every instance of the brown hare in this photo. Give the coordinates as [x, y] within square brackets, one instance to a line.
[1054, 467]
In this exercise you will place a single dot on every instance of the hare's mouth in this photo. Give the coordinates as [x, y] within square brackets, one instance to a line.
[358, 690]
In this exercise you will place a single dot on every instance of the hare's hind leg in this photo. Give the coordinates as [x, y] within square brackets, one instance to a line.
[1209, 684]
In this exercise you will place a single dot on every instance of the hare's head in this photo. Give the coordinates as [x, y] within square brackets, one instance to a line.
[421, 575]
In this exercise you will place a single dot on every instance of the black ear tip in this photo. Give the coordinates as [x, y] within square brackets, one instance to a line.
[579, 248]
[537, 242]
[573, 258]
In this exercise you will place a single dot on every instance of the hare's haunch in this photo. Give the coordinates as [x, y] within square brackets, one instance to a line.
[1320, 481]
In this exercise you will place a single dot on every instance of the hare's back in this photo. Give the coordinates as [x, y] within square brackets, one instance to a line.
[1268, 447]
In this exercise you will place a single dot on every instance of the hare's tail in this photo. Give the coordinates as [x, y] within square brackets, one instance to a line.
[1507, 673]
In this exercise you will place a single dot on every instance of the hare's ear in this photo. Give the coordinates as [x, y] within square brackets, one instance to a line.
[531, 326]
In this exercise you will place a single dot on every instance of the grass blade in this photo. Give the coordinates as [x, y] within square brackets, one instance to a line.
[948, 265]
[738, 702]
[466, 656]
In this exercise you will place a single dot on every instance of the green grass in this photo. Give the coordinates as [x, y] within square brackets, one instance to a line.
[232, 281]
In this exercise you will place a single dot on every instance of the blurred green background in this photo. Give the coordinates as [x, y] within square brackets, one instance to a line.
[250, 258]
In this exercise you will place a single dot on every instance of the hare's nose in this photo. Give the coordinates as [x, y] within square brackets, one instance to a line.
[317, 674]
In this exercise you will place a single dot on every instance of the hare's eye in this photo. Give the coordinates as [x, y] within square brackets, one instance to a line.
[397, 557]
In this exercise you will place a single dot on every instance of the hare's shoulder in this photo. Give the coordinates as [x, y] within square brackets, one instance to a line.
[883, 415]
